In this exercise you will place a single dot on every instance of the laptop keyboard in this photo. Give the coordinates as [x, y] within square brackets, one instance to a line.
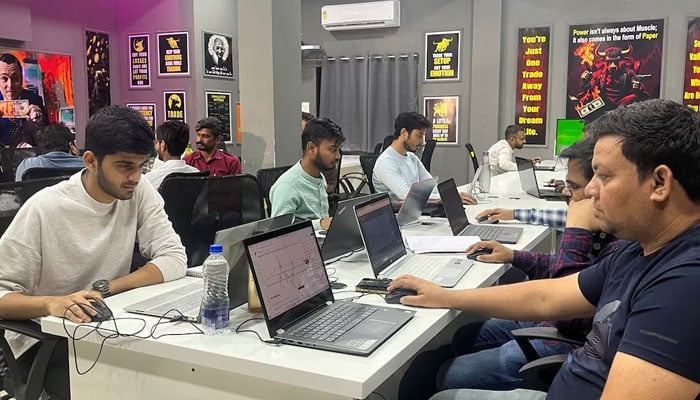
[184, 299]
[335, 322]
[424, 267]
[484, 232]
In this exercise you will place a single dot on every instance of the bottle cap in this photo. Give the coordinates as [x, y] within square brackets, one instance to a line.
[216, 248]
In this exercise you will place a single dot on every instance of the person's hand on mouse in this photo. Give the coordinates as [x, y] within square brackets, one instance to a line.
[57, 305]
[536, 160]
[495, 214]
[429, 294]
[467, 198]
[499, 254]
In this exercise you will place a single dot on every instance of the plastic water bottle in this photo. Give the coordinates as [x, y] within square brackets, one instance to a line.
[485, 177]
[215, 303]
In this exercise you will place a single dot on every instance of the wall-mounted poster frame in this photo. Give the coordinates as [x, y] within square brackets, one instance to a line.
[218, 105]
[139, 61]
[691, 85]
[532, 83]
[443, 113]
[148, 110]
[98, 71]
[442, 56]
[173, 53]
[218, 55]
[175, 105]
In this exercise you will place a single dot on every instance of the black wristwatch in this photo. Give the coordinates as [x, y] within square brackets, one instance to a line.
[102, 286]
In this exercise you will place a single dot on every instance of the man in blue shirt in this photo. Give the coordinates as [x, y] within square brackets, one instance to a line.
[643, 299]
[57, 149]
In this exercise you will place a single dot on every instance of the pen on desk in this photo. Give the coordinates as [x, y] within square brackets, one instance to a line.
[514, 198]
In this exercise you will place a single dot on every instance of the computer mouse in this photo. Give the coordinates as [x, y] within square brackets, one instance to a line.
[478, 252]
[395, 295]
[103, 312]
[485, 220]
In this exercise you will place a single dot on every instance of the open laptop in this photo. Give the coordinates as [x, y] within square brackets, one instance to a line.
[387, 252]
[459, 223]
[343, 235]
[416, 199]
[298, 302]
[528, 181]
[187, 299]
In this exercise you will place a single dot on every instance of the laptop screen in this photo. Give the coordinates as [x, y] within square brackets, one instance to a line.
[289, 273]
[528, 180]
[452, 203]
[380, 232]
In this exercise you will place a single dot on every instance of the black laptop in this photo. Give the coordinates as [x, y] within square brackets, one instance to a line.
[528, 181]
[459, 223]
[343, 235]
[298, 302]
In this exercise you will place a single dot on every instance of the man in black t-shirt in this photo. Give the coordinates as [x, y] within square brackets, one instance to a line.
[644, 342]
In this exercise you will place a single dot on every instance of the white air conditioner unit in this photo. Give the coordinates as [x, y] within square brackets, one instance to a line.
[376, 14]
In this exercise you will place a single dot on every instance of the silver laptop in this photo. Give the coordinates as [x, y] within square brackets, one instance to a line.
[298, 302]
[528, 181]
[185, 302]
[416, 198]
[387, 252]
[343, 235]
[459, 223]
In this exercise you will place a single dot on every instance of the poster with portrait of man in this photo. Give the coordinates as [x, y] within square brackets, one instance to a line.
[218, 55]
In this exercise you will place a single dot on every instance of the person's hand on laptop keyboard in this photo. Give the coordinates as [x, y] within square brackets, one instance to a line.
[499, 252]
[496, 214]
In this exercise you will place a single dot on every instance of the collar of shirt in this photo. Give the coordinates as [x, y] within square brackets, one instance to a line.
[198, 154]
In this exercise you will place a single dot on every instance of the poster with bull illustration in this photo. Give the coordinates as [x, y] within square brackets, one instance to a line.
[442, 51]
[612, 65]
[443, 113]
[173, 54]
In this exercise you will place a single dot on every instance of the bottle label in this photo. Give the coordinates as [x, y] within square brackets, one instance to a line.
[216, 318]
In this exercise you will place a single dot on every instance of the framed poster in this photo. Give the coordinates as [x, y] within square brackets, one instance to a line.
[691, 85]
[97, 57]
[173, 53]
[66, 115]
[442, 53]
[218, 105]
[174, 105]
[139, 61]
[443, 113]
[148, 110]
[218, 55]
[531, 83]
[611, 65]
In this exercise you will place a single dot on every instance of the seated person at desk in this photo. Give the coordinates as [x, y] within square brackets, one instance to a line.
[331, 175]
[73, 242]
[483, 355]
[643, 343]
[301, 190]
[501, 155]
[397, 168]
[11, 88]
[57, 150]
[208, 156]
[171, 140]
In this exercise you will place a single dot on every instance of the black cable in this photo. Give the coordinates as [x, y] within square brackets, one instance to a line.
[239, 330]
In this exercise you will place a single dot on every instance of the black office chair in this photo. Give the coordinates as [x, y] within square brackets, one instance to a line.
[44, 172]
[199, 206]
[539, 372]
[427, 155]
[11, 157]
[472, 155]
[378, 148]
[185, 174]
[267, 177]
[367, 162]
[26, 387]
[388, 140]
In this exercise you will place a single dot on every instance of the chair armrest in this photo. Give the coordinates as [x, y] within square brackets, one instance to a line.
[26, 327]
[544, 332]
[539, 374]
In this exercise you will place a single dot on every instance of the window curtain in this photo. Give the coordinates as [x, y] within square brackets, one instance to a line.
[364, 94]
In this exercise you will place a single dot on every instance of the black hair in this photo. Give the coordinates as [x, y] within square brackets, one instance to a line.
[582, 153]
[320, 129]
[307, 116]
[114, 129]
[512, 131]
[54, 137]
[410, 120]
[657, 132]
[10, 59]
[175, 134]
[211, 123]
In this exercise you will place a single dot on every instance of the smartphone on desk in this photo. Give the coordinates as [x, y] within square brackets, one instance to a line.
[371, 285]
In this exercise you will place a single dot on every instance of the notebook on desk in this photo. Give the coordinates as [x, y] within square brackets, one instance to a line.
[387, 252]
[298, 302]
[187, 299]
[528, 181]
[416, 199]
[459, 223]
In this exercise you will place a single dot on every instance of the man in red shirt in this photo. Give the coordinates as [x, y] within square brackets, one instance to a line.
[208, 157]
